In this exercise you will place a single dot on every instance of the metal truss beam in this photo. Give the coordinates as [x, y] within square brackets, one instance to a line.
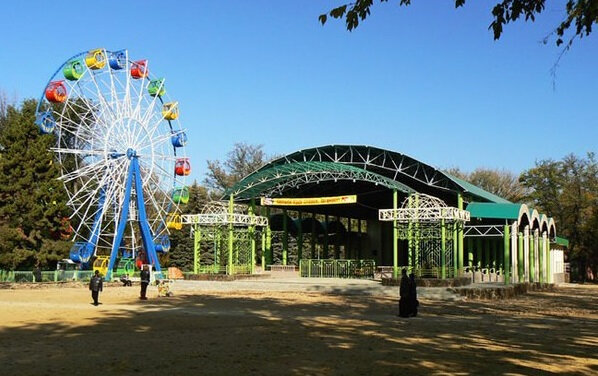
[484, 231]
[223, 219]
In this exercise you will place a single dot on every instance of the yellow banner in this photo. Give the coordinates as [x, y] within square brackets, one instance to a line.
[333, 200]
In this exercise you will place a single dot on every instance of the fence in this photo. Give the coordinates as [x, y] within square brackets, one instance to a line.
[16, 276]
[337, 268]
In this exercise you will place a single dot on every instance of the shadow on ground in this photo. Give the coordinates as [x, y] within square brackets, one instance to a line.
[315, 334]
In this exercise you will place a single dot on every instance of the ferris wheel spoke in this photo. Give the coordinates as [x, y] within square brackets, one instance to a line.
[86, 170]
[101, 97]
[160, 209]
[77, 127]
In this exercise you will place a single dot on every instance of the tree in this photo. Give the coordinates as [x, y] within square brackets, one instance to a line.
[32, 201]
[241, 161]
[583, 14]
[181, 254]
[502, 183]
[567, 190]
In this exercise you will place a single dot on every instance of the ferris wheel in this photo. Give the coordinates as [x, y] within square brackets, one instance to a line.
[122, 153]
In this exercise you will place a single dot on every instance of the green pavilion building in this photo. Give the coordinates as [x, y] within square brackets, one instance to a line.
[344, 210]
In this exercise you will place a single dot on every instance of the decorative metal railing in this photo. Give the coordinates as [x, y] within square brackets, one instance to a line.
[330, 268]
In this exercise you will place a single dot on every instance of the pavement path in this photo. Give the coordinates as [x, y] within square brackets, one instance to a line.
[321, 285]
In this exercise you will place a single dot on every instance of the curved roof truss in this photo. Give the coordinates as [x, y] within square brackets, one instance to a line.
[276, 179]
[384, 162]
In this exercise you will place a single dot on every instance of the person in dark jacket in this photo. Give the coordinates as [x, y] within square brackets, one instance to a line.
[145, 280]
[95, 285]
[404, 291]
[413, 302]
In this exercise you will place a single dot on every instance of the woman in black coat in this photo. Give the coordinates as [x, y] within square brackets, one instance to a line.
[404, 291]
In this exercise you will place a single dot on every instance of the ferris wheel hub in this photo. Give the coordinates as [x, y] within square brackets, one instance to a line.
[131, 153]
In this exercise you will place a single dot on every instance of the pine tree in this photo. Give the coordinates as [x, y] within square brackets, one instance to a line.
[33, 207]
[181, 254]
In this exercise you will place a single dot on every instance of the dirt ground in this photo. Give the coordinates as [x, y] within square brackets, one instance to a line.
[56, 331]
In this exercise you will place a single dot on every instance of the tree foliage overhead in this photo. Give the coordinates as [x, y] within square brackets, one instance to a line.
[579, 14]
[240, 162]
[34, 223]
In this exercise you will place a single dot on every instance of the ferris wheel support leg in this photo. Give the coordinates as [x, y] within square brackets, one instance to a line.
[122, 221]
[146, 232]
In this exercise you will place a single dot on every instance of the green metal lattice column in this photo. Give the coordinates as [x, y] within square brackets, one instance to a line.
[455, 251]
[359, 239]
[410, 240]
[231, 244]
[196, 248]
[264, 231]
[268, 249]
[532, 257]
[313, 236]
[541, 259]
[470, 252]
[337, 242]
[460, 233]
[349, 249]
[486, 261]
[520, 261]
[443, 249]
[395, 237]
[325, 251]
[252, 234]
[478, 252]
[285, 237]
[299, 238]
[548, 262]
[506, 242]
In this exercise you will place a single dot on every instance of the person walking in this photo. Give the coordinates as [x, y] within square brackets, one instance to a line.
[145, 280]
[404, 291]
[413, 302]
[95, 285]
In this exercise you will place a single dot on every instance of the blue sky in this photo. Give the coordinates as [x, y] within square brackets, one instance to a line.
[426, 80]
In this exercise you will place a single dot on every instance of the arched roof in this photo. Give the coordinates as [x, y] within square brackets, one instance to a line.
[543, 223]
[353, 163]
[278, 178]
[534, 219]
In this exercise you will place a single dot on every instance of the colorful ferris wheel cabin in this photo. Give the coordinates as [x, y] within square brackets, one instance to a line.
[101, 264]
[73, 70]
[96, 59]
[163, 242]
[139, 69]
[180, 195]
[182, 167]
[156, 88]
[118, 60]
[179, 140]
[174, 222]
[45, 122]
[56, 92]
[170, 110]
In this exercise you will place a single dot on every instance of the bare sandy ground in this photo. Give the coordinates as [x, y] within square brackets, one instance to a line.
[56, 331]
